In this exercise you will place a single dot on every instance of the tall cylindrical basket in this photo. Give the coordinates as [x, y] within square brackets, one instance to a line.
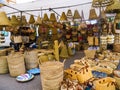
[16, 64]
[51, 75]
[31, 58]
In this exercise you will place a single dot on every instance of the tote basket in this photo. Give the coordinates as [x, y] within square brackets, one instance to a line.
[84, 74]
[51, 75]
[105, 84]
[16, 64]
[90, 53]
[31, 58]
[3, 65]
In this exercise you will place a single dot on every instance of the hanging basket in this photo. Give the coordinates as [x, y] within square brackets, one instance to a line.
[3, 65]
[16, 64]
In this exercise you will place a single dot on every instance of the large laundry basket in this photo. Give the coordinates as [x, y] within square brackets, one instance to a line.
[31, 58]
[51, 75]
[16, 64]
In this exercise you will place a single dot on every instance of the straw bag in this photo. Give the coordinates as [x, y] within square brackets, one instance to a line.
[84, 74]
[90, 40]
[31, 59]
[3, 65]
[105, 84]
[16, 64]
[90, 53]
[117, 81]
[17, 39]
[51, 75]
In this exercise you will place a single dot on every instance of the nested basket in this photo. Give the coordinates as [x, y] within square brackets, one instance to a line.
[3, 65]
[51, 75]
[31, 58]
[16, 64]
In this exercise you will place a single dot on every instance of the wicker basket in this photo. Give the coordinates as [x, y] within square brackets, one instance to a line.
[16, 64]
[3, 65]
[31, 58]
[90, 53]
[3, 52]
[116, 47]
[51, 75]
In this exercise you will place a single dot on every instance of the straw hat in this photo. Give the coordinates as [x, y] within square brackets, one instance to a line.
[14, 20]
[38, 21]
[114, 8]
[92, 14]
[52, 17]
[76, 15]
[4, 21]
[63, 17]
[102, 3]
[31, 20]
[45, 18]
[24, 21]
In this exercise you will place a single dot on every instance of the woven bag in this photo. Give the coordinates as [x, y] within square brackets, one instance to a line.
[16, 64]
[31, 58]
[84, 74]
[3, 65]
[17, 39]
[105, 84]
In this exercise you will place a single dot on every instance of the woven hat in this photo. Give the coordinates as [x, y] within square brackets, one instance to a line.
[114, 8]
[14, 20]
[38, 21]
[45, 18]
[24, 21]
[76, 15]
[102, 3]
[92, 14]
[63, 17]
[52, 17]
[4, 21]
[31, 20]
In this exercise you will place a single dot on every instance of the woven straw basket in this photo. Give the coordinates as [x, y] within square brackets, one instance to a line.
[16, 64]
[3, 65]
[51, 75]
[3, 53]
[31, 58]
[116, 47]
[90, 53]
